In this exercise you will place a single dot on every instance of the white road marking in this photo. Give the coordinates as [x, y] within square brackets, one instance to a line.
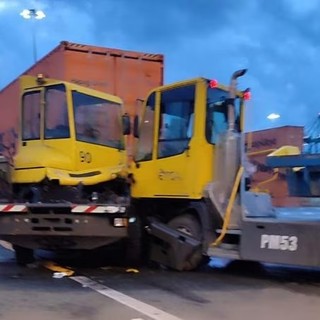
[144, 308]
[6, 245]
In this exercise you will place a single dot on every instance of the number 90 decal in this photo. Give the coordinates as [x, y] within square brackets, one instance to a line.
[85, 157]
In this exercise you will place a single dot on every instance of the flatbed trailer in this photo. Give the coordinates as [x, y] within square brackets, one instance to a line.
[62, 226]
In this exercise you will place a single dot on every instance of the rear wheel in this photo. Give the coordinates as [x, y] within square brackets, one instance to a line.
[24, 256]
[189, 224]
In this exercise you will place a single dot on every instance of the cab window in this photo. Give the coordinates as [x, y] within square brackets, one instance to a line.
[31, 103]
[146, 134]
[56, 113]
[176, 120]
[217, 114]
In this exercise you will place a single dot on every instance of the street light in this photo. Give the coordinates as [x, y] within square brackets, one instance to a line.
[33, 14]
[273, 116]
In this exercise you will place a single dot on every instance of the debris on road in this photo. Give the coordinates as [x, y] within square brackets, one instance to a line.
[121, 270]
[59, 271]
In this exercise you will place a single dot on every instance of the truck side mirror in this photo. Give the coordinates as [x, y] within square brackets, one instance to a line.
[126, 127]
[136, 126]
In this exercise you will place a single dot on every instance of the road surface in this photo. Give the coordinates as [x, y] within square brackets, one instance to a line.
[116, 293]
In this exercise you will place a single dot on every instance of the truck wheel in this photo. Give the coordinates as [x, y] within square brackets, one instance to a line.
[189, 225]
[23, 255]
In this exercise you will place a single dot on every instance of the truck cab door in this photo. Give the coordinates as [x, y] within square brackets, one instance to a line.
[31, 117]
[33, 122]
[162, 158]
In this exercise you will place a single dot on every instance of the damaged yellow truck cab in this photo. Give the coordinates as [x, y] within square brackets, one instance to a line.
[69, 134]
[175, 153]
[66, 189]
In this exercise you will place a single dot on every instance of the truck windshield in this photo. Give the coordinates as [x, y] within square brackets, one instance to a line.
[217, 114]
[97, 120]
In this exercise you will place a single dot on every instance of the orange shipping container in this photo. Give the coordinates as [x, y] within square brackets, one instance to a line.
[127, 74]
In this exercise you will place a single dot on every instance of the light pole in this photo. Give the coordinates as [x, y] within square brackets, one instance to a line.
[33, 14]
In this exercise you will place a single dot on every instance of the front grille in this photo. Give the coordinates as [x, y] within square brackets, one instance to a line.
[51, 223]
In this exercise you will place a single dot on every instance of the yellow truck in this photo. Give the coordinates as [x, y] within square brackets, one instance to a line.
[65, 187]
[186, 196]
[190, 183]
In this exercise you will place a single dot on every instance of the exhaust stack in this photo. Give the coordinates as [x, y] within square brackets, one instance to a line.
[232, 96]
[228, 153]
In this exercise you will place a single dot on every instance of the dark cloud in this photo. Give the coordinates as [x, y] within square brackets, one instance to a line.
[276, 40]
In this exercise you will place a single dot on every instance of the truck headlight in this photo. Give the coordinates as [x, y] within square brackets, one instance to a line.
[120, 222]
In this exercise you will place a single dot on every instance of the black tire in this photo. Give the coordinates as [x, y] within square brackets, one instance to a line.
[24, 256]
[190, 225]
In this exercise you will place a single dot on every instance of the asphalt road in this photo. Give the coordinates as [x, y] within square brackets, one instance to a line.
[112, 293]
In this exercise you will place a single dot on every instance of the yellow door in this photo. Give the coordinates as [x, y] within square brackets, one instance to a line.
[162, 158]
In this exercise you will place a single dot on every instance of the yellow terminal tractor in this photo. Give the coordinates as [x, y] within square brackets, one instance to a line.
[65, 188]
[190, 183]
